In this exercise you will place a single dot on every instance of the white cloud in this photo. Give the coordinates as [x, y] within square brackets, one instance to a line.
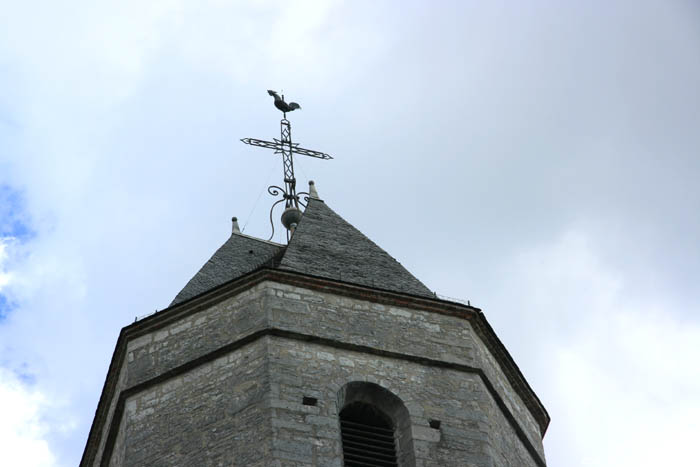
[22, 430]
[5, 275]
[617, 373]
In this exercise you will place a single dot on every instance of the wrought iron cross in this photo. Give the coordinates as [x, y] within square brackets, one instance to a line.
[284, 146]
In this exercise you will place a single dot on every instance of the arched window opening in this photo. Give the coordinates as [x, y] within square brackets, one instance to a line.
[368, 436]
[375, 427]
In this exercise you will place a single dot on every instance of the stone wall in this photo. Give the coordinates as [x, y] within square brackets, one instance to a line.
[171, 346]
[396, 329]
[202, 391]
[473, 431]
[196, 334]
[213, 415]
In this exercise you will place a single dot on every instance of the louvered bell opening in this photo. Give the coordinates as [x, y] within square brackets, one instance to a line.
[368, 437]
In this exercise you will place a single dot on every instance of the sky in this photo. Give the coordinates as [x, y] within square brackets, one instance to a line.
[538, 158]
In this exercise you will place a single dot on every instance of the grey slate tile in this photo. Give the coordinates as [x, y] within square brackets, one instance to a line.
[326, 245]
[232, 260]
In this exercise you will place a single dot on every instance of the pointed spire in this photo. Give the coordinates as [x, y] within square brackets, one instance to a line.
[324, 245]
[312, 190]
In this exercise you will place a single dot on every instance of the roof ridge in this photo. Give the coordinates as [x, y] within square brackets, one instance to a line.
[269, 242]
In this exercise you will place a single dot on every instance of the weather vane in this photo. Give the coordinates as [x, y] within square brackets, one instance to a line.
[291, 214]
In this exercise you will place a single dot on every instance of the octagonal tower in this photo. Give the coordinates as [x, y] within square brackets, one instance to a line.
[322, 352]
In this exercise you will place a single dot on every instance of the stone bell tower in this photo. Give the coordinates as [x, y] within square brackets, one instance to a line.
[321, 352]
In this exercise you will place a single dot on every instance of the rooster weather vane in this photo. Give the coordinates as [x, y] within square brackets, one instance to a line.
[291, 214]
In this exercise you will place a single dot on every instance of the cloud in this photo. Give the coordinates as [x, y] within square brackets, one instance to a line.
[615, 370]
[636, 391]
[22, 431]
[4, 274]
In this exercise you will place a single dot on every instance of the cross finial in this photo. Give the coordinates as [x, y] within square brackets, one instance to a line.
[284, 146]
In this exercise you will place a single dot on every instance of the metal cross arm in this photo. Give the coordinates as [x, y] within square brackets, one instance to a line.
[280, 146]
[311, 152]
[261, 143]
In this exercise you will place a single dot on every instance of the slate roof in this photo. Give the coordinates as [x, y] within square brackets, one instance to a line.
[240, 255]
[326, 245]
[323, 245]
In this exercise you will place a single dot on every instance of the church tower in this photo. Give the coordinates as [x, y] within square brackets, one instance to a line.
[321, 352]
